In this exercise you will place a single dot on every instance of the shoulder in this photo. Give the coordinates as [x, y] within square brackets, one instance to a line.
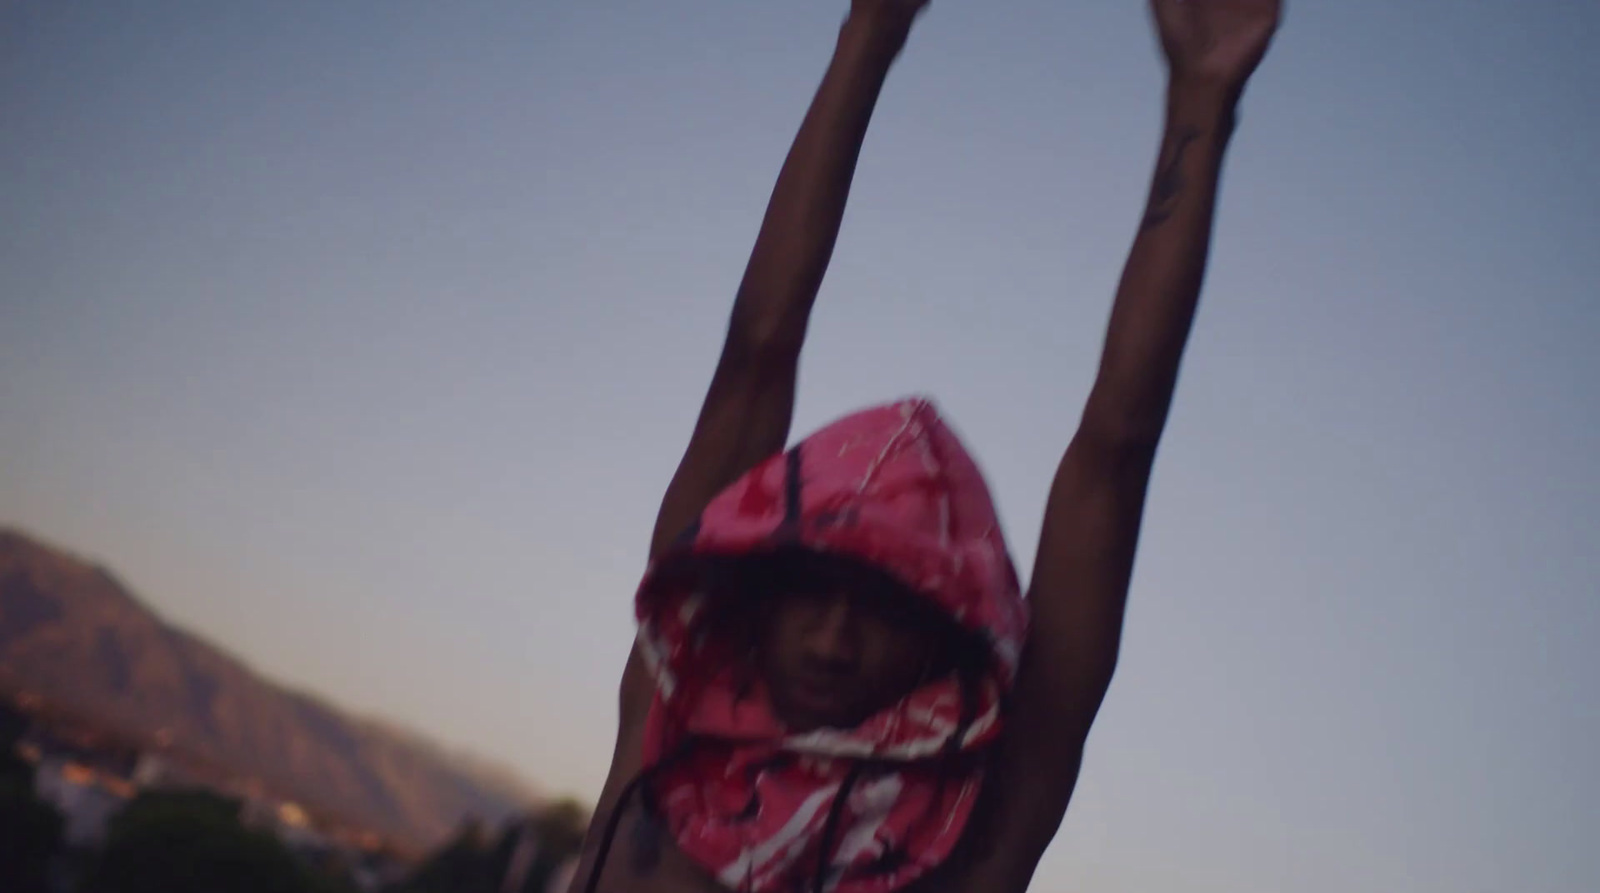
[634, 696]
[636, 692]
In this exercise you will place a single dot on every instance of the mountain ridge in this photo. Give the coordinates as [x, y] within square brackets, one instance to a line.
[73, 634]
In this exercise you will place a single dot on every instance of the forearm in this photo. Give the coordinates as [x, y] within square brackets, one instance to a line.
[747, 410]
[1160, 287]
[802, 221]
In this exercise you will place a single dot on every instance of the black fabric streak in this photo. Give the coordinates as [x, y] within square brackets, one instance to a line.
[791, 488]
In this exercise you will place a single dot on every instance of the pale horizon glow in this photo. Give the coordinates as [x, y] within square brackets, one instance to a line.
[362, 339]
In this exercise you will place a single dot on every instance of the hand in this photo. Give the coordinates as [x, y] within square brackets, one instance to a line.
[1216, 43]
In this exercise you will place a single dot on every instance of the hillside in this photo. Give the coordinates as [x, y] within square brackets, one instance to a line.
[71, 634]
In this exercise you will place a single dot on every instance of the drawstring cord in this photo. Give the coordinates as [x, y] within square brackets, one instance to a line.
[610, 834]
[830, 829]
[639, 784]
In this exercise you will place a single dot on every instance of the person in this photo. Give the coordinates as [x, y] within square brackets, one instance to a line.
[838, 684]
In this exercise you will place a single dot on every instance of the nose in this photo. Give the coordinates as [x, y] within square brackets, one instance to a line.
[831, 640]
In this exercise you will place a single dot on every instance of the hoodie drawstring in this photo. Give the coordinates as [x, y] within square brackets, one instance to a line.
[639, 785]
[830, 829]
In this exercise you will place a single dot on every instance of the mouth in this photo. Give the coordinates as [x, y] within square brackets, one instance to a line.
[819, 697]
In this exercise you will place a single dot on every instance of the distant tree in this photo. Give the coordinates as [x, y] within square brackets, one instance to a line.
[473, 862]
[30, 829]
[193, 842]
[560, 827]
[30, 834]
[12, 724]
[462, 865]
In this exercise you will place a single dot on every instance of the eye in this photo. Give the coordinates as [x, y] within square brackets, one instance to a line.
[896, 612]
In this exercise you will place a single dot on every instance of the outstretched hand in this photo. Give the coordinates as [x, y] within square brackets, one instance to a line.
[1215, 42]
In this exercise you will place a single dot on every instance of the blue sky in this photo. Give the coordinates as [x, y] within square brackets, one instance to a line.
[363, 338]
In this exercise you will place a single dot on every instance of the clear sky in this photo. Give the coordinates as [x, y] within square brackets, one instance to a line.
[363, 338]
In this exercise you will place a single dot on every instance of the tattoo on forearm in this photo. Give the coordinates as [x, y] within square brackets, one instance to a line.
[1168, 187]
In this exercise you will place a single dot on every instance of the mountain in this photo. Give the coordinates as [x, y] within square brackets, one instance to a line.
[74, 637]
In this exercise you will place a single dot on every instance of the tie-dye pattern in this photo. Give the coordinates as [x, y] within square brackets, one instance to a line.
[892, 486]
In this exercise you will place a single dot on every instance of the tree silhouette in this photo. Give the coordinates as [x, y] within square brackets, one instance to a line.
[473, 861]
[30, 830]
[193, 842]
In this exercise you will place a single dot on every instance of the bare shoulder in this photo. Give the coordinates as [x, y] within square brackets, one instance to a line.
[626, 761]
[637, 691]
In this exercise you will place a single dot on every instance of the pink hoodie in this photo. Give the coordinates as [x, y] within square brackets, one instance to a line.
[870, 808]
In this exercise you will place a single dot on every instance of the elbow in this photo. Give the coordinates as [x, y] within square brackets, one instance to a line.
[1105, 669]
[1094, 667]
[1118, 440]
[1122, 429]
[757, 339]
[1096, 683]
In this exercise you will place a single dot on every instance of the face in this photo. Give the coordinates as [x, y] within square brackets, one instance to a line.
[837, 643]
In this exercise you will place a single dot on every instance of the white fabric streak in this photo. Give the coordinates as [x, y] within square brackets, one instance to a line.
[761, 857]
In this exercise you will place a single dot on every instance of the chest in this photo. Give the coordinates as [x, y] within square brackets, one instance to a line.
[644, 860]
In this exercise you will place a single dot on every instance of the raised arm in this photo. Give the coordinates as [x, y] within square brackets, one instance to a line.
[1091, 526]
[747, 410]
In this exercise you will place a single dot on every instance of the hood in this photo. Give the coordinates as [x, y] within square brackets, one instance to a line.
[754, 804]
